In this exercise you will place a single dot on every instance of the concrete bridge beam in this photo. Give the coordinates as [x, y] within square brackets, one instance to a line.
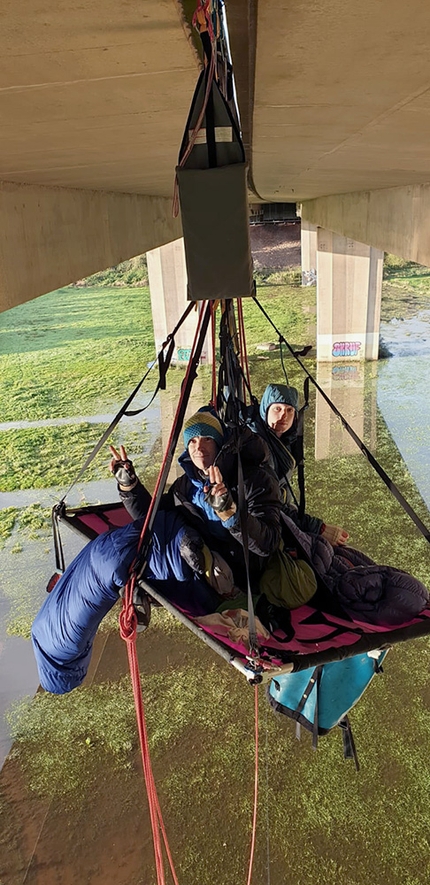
[51, 236]
[393, 219]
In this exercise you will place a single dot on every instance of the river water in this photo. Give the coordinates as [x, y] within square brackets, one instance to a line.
[402, 398]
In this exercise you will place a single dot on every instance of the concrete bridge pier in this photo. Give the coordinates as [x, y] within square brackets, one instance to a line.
[168, 287]
[349, 285]
[344, 384]
[308, 235]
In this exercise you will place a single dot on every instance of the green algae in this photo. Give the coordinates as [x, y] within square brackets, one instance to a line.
[324, 818]
[32, 522]
[8, 516]
[43, 457]
[92, 720]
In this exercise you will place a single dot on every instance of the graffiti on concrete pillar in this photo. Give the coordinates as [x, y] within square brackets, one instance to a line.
[183, 355]
[345, 373]
[346, 348]
[309, 277]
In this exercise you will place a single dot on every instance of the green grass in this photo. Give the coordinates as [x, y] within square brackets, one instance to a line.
[291, 309]
[75, 352]
[405, 289]
[401, 272]
[80, 352]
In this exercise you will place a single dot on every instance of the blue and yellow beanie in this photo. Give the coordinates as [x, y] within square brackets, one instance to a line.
[203, 423]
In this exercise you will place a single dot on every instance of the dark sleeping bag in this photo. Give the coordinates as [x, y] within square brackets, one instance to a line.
[367, 592]
[380, 594]
[64, 628]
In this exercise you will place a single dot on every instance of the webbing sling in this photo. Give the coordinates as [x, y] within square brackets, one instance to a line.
[363, 448]
[313, 685]
[178, 420]
[299, 451]
[163, 365]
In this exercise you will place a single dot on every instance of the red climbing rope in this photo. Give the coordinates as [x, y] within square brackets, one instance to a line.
[202, 20]
[128, 624]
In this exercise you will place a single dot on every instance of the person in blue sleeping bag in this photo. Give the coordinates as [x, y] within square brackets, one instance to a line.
[64, 629]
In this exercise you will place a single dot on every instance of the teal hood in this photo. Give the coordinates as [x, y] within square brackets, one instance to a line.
[278, 393]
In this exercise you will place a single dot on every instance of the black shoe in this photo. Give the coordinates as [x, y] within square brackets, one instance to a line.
[142, 607]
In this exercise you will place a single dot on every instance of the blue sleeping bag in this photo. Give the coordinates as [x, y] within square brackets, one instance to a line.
[64, 628]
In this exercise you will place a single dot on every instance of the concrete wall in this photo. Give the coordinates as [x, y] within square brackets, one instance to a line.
[50, 237]
[395, 220]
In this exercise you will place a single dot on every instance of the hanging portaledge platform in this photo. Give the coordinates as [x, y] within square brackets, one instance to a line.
[212, 182]
[316, 637]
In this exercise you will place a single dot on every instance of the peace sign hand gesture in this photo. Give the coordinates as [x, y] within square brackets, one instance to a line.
[122, 468]
[218, 495]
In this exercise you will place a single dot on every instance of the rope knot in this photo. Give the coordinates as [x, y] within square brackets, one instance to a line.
[127, 621]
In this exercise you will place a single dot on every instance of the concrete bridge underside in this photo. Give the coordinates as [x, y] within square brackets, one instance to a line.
[334, 102]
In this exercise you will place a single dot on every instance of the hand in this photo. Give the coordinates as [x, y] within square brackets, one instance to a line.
[123, 469]
[335, 535]
[218, 495]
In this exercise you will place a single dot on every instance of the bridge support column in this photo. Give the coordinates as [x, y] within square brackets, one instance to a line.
[344, 384]
[349, 284]
[308, 234]
[168, 287]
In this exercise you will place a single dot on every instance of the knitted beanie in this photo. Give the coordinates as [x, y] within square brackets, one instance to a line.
[203, 423]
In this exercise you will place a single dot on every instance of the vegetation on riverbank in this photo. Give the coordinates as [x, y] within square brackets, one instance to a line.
[406, 288]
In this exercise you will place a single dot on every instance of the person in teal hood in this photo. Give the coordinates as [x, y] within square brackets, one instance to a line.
[279, 407]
